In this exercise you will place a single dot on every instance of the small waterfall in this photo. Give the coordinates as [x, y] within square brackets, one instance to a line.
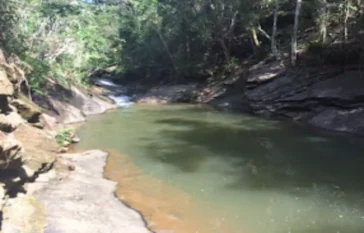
[120, 99]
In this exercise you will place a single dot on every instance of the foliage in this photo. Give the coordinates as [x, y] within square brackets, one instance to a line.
[178, 38]
[66, 39]
[8, 19]
[165, 40]
[231, 64]
[174, 40]
[64, 136]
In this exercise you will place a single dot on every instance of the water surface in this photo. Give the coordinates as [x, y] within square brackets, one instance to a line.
[189, 169]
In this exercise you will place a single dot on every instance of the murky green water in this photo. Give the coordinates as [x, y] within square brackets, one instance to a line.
[268, 176]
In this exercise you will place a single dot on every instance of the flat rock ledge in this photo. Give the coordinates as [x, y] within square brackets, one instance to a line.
[84, 202]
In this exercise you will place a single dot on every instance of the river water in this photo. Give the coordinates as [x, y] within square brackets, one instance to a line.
[189, 169]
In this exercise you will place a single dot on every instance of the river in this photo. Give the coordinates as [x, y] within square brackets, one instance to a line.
[190, 169]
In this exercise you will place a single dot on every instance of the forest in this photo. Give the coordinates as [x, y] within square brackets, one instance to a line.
[171, 41]
[236, 116]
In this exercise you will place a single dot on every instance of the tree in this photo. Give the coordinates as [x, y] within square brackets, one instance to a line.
[346, 18]
[323, 16]
[64, 38]
[8, 20]
[295, 33]
[274, 31]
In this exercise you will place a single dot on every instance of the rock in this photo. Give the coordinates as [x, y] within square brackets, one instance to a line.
[70, 105]
[234, 103]
[261, 73]
[73, 203]
[29, 173]
[24, 214]
[41, 182]
[28, 110]
[152, 100]
[63, 150]
[2, 195]
[75, 139]
[332, 101]
[4, 104]
[89, 104]
[39, 125]
[50, 123]
[6, 87]
[9, 122]
[11, 151]
[41, 150]
[66, 113]
[169, 94]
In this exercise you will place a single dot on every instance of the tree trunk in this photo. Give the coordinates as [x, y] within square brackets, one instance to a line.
[347, 12]
[323, 17]
[167, 50]
[295, 32]
[358, 5]
[255, 37]
[225, 50]
[274, 32]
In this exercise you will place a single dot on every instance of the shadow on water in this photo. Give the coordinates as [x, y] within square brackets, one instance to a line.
[330, 228]
[262, 155]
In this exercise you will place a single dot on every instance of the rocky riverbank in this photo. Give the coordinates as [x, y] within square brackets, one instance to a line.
[329, 97]
[83, 201]
[40, 189]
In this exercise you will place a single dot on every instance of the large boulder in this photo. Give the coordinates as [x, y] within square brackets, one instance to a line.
[11, 151]
[9, 122]
[2, 196]
[329, 99]
[64, 112]
[50, 123]
[40, 150]
[169, 94]
[27, 109]
[6, 87]
[24, 214]
[88, 103]
[70, 105]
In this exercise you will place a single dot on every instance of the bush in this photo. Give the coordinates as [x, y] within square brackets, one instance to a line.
[66, 39]
[64, 136]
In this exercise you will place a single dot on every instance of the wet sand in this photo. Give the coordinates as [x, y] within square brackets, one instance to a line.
[165, 208]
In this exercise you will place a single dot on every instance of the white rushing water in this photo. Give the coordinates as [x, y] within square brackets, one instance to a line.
[121, 100]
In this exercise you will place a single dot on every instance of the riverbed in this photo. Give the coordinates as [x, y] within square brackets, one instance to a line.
[191, 169]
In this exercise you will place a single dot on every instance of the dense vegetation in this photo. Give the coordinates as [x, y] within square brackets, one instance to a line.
[173, 40]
